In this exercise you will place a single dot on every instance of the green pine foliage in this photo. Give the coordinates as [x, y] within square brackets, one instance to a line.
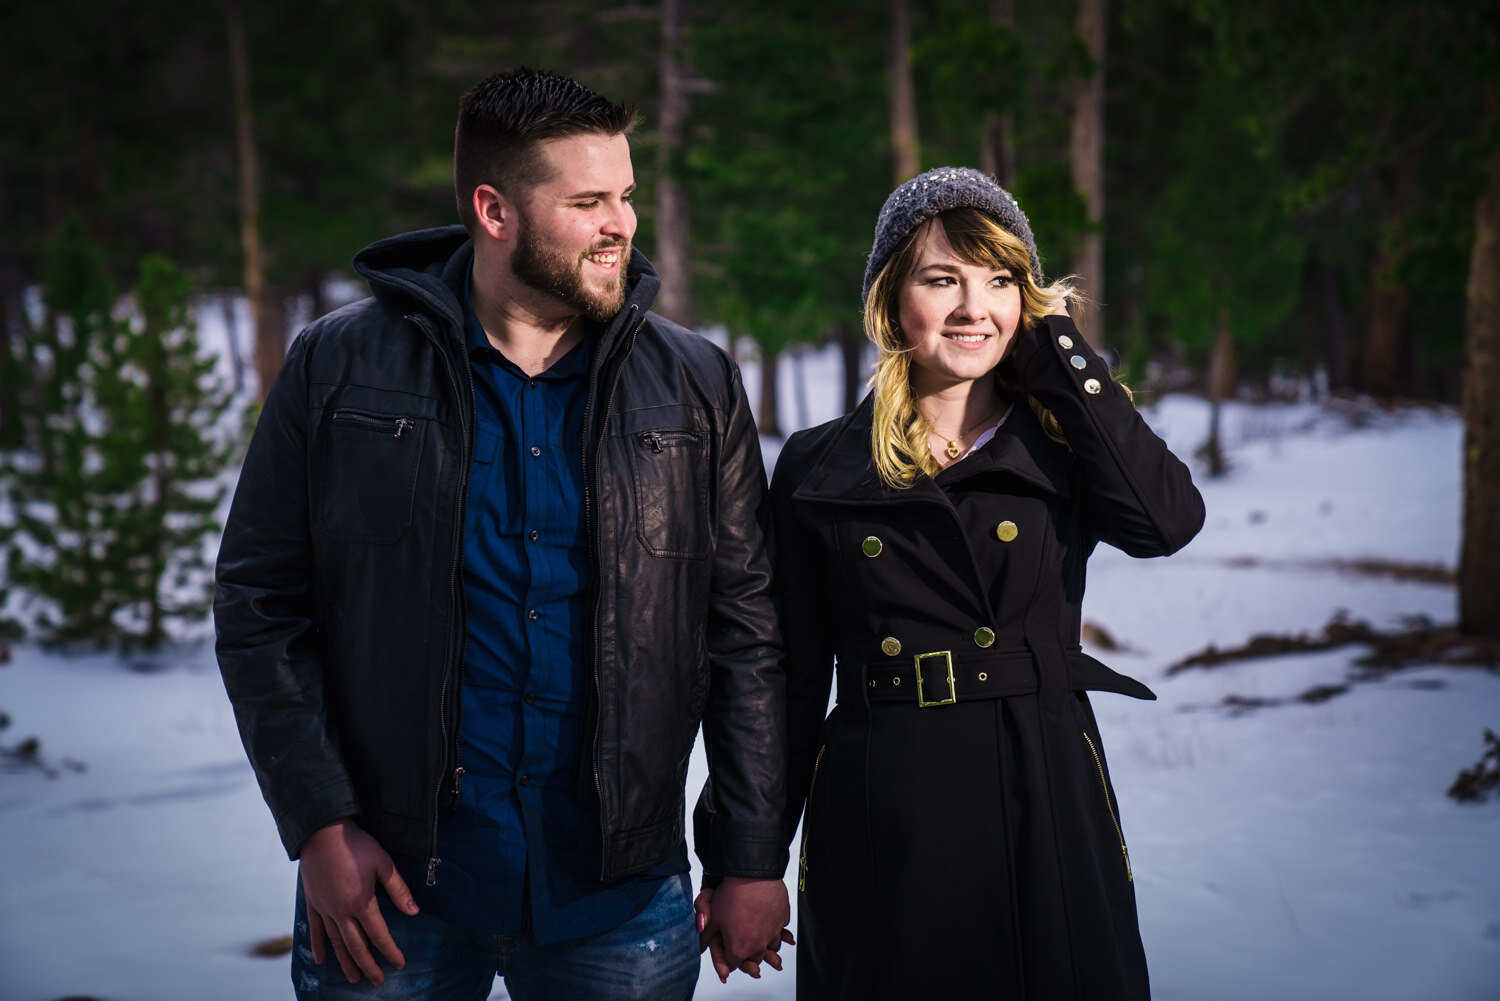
[788, 166]
[112, 497]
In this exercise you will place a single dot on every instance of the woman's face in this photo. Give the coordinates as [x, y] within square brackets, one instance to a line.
[958, 318]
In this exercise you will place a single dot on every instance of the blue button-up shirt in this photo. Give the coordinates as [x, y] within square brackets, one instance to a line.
[519, 847]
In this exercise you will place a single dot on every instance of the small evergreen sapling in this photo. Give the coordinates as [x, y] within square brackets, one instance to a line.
[115, 492]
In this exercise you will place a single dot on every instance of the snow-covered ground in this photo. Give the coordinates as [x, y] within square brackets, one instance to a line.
[1304, 851]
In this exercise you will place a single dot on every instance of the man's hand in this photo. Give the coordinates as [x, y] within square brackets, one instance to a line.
[340, 867]
[743, 924]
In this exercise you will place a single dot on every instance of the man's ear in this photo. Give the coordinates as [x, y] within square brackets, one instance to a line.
[494, 213]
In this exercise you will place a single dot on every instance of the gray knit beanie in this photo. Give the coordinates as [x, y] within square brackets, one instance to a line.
[925, 195]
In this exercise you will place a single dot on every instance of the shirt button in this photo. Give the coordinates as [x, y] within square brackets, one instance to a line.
[531, 384]
[533, 535]
[531, 698]
[525, 780]
[535, 451]
[531, 614]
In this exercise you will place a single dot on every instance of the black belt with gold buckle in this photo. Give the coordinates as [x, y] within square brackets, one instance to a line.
[942, 678]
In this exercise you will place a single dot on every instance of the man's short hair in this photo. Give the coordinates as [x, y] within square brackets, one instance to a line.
[505, 118]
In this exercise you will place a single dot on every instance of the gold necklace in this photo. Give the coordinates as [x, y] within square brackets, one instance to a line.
[954, 449]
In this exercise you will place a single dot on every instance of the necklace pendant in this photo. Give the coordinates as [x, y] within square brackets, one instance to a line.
[952, 448]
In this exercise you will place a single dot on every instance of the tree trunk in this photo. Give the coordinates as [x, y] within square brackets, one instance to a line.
[1086, 149]
[906, 162]
[1385, 337]
[997, 144]
[798, 357]
[1221, 377]
[1336, 323]
[12, 290]
[1220, 384]
[228, 304]
[268, 314]
[770, 421]
[270, 330]
[317, 300]
[851, 346]
[1479, 558]
[10, 368]
[676, 298]
[1383, 364]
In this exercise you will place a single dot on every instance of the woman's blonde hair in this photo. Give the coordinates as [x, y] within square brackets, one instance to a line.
[899, 437]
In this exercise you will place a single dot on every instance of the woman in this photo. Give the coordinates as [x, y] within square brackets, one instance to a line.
[961, 837]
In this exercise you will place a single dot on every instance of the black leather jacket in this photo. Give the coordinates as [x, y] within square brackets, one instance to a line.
[339, 601]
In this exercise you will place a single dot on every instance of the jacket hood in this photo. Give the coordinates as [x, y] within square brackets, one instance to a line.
[426, 268]
[419, 268]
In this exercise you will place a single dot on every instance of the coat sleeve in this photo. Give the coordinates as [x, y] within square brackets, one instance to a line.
[737, 829]
[1140, 498]
[267, 637]
[801, 572]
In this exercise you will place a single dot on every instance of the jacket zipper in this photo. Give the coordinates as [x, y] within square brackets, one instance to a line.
[806, 816]
[1098, 763]
[660, 441]
[374, 422]
[588, 516]
[450, 741]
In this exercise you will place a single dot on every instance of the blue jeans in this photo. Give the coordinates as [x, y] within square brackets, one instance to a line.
[651, 957]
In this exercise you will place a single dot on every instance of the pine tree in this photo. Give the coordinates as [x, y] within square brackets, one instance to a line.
[114, 495]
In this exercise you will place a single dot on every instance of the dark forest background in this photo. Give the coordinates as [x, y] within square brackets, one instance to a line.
[1266, 199]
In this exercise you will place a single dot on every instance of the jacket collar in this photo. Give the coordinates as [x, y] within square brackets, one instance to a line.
[426, 269]
[845, 471]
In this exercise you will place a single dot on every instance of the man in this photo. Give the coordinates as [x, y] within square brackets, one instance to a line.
[496, 548]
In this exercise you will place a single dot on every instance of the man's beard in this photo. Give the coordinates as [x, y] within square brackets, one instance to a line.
[545, 270]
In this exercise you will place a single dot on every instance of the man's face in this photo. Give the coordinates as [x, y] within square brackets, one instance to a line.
[576, 227]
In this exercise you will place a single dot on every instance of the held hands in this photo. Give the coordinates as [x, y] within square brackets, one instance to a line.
[340, 867]
[743, 924]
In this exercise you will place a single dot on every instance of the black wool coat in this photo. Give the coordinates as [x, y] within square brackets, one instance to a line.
[961, 837]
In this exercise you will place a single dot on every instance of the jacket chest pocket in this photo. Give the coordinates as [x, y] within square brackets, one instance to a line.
[367, 476]
[669, 468]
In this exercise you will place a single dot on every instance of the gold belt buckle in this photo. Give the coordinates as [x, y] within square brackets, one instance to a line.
[947, 656]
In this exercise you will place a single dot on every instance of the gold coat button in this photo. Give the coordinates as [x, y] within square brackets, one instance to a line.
[1078, 362]
[1066, 342]
[871, 546]
[1007, 531]
[984, 636]
[1092, 387]
[890, 646]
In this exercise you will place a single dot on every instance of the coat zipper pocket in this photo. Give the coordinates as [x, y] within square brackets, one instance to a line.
[662, 439]
[1104, 785]
[393, 425]
[806, 814]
